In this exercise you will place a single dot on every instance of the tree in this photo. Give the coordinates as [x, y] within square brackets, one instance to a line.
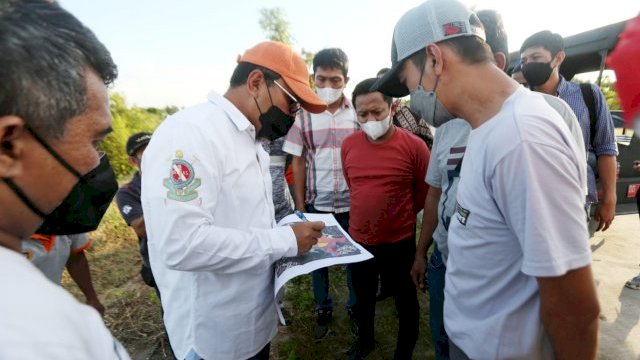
[127, 121]
[274, 23]
[610, 94]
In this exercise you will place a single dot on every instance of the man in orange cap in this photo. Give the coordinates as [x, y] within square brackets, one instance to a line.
[209, 215]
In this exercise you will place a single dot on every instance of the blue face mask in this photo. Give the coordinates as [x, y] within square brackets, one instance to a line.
[427, 105]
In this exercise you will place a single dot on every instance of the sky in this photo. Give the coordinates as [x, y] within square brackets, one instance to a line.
[173, 52]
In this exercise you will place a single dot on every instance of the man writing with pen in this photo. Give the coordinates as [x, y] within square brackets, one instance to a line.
[209, 215]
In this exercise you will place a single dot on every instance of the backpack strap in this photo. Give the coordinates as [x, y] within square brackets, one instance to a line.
[587, 95]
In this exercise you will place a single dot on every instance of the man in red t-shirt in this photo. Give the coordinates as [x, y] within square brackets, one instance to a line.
[384, 167]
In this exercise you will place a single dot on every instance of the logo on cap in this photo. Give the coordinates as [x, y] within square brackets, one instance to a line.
[454, 28]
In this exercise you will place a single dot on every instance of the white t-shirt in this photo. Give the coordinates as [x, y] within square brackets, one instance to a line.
[208, 210]
[519, 215]
[449, 145]
[40, 320]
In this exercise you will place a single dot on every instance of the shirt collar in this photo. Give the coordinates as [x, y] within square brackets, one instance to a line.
[240, 121]
[562, 86]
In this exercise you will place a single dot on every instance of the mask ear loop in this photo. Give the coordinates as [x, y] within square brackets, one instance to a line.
[53, 153]
[24, 198]
[270, 99]
[424, 65]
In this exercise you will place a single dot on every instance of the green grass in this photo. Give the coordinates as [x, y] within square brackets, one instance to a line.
[133, 309]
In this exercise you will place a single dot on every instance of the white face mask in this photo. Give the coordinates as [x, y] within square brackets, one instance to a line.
[329, 94]
[376, 129]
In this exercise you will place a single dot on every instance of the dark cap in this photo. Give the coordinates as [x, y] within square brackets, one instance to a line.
[136, 141]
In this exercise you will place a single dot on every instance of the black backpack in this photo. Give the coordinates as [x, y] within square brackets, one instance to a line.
[587, 96]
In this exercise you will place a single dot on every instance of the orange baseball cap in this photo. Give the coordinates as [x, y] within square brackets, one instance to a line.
[281, 59]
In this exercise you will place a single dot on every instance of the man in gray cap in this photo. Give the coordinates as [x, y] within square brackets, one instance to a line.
[518, 281]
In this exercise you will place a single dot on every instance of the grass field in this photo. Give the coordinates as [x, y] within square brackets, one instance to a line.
[133, 309]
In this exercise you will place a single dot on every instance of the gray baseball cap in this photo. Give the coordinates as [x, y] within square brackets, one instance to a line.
[430, 22]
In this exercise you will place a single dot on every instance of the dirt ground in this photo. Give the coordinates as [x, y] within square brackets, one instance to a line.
[616, 259]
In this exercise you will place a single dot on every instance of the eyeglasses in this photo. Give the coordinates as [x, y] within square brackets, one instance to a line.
[294, 106]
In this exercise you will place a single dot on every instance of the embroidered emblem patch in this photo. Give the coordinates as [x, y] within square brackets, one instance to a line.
[462, 214]
[182, 183]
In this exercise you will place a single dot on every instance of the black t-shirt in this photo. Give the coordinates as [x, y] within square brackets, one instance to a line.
[130, 206]
[128, 199]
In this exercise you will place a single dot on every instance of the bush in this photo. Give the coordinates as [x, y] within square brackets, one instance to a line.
[128, 121]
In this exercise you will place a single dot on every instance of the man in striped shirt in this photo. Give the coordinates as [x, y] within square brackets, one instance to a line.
[319, 185]
[542, 54]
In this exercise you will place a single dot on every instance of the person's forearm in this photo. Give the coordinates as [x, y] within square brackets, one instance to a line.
[607, 170]
[299, 169]
[429, 221]
[138, 227]
[78, 268]
[569, 311]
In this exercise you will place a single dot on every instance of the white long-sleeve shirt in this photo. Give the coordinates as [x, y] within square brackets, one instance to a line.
[207, 203]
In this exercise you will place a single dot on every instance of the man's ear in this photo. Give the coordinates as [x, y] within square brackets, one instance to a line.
[501, 60]
[394, 107]
[560, 57]
[434, 58]
[133, 161]
[254, 82]
[346, 81]
[12, 144]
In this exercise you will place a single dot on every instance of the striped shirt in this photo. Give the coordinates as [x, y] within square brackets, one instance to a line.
[319, 138]
[604, 141]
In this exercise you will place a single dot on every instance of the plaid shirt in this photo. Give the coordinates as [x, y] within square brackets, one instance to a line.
[319, 137]
[604, 141]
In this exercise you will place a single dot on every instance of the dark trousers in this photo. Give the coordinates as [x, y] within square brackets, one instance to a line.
[320, 277]
[456, 353]
[393, 261]
[263, 354]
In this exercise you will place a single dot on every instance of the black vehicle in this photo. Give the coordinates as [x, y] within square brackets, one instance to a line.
[586, 52]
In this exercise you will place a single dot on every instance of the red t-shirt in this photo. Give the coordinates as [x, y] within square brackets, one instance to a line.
[387, 185]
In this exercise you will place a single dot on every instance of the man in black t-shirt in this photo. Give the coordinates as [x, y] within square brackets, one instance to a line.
[128, 199]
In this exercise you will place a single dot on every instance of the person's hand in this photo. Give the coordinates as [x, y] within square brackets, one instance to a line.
[417, 272]
[95, 303]
[636, 165]
[604, 215]
[307, 234]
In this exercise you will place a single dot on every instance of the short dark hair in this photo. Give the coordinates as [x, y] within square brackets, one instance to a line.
[364, 88]
[44, 55]
[471, 49]
[552, 42]
[495, 32]
[242, 71]
[333, 58]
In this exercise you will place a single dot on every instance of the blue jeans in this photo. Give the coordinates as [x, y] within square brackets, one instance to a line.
[320, 277]
[435, 275]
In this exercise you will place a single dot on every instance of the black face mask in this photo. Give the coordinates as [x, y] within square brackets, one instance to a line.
[537, 73]
[83, 208]
[275, 123]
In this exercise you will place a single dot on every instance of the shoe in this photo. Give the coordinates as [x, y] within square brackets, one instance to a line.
[634, 283]
[322, 324]
[359, 350]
